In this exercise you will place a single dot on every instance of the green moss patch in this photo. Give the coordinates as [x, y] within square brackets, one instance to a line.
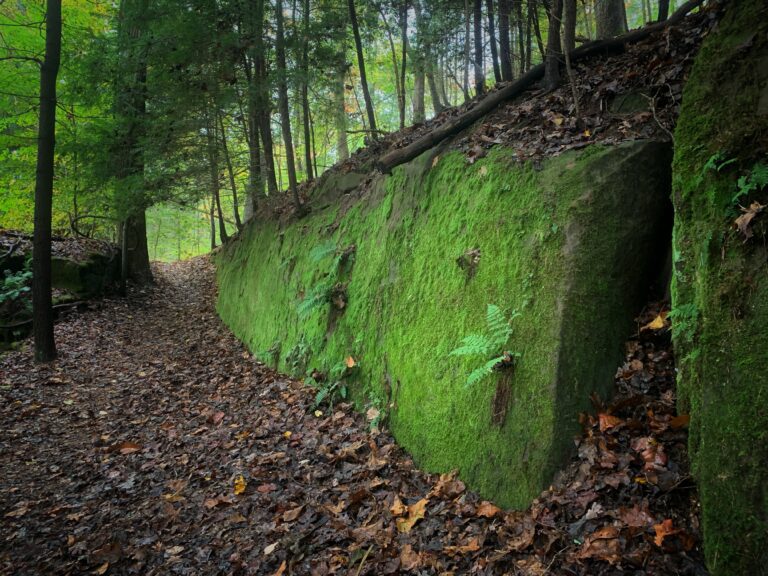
[720, 289]
[572, 247]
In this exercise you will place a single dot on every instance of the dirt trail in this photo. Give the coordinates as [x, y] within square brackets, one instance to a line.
[157, 445]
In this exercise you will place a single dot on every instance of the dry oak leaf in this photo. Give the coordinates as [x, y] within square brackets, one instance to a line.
[607, 421]
[662, 531]
[472, 546]
[415, 513]
[658, 323]
[487, 510]
[603, 544]
[743, 222]
[398, 508]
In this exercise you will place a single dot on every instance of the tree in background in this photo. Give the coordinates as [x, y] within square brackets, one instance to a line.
[42, 306]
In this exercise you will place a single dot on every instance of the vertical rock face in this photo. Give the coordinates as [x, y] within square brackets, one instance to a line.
[396, 279]
[720, 286]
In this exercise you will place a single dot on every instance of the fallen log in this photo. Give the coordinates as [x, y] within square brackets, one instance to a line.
[597, 48]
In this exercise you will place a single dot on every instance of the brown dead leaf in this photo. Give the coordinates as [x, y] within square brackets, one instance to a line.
[472, 546]
[398, 508]
[607, 421]
[415, 513]
[744, 222]
[409, 558]
[126, 447]
[662, 531]
[603, 544]
[101, 570]
[680, 421]
[487, 510]
[637, 516]
[350, 362]
[281, 569]
[291, 515]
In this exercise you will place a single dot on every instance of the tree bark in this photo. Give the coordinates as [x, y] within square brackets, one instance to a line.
[467, 56]
[478, 29]
[663, 10]
[230, 172]
[404, 33]
[492, 40]
[554, 50]
[569, 26]
[42, 303]
[305, 94]
[611, 18]
[282, 101]
[504, 52]
[361, 66]
[340, 117]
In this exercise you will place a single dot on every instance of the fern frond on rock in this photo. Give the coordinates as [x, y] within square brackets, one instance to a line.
[474, 345]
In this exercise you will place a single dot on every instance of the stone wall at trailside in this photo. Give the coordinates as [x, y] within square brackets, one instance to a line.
[720, 287]
[572, 246]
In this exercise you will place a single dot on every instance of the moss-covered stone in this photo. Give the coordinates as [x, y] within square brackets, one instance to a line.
[572, 247]
[84, 279]
[720, 289]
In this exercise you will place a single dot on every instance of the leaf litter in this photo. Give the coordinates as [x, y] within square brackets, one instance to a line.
[166, 451]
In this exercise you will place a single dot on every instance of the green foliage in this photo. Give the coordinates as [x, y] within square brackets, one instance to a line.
[755, 180]
[298, 356]
[684, 318]
[491, 342]
[317, 296]
[333, 386]
[15, 285]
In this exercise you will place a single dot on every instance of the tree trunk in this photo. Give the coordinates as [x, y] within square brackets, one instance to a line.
[42, 304]
[361, 66]
[492, 40]
[395, 68]
[230, 172]
[404, 33]
[523, 55]
[478, 25]
[467, 54]
[611, 18]
[282, 100]
[136, 253]
[342, 148]
[504, 56]
[569, 23]
[264, 104]
[213, 166]
[663, 10]
[554, 50]
[305, 94]
[419, 112]
[251, 131]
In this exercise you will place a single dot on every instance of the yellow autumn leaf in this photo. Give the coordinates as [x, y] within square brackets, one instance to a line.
[657, 323]
[240, 484]
[350, 362]
[318, 413]
[287, 433]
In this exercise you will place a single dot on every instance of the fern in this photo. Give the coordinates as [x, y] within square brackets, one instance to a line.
[318, 296]
[322, 251]
[491, 343]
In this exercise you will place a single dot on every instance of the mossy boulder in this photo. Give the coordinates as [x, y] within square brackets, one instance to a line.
[573, 247]
[85, 279]
[720, 287]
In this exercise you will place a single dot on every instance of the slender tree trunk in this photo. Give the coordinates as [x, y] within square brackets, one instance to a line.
[251, 131]
[230, 172]
[467, 54]
[533, 14]
[42, 305]
[404, 34]
[212, 220]
[342, 148]
[569, 25]
[517, 5]
[611, 18]
[478, 25]
[263, 102]
[419, 112]
[554, 50]
[361, 66]
[285, 114]
[305, 95]
[504, 51]
[492, 40]
[213, 165]
[395, 67]
[663, 10]
[587, 19]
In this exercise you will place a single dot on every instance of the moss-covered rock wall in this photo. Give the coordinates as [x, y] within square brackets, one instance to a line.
[720, 287]
[572, 246]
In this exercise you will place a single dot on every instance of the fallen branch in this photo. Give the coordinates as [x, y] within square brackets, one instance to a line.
[600, 47]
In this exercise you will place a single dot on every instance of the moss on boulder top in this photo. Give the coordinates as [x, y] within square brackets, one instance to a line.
[720, 287]
[572, 247]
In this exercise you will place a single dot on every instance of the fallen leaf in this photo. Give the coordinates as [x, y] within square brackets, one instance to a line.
[607, 421]
[102, 569]
[19, 512]
[371, 414]
[240, 485]
[127, 447]
[350, 362]
[415, 513]
[271, 548]
[658, 323]
[409, 559]
[662, 531]
[281, 569]
[318, 413]
[174, 550]
[291, 515]
[744, 222]
[487, 510]
[680, 421]
[398, 508]
[472, 546]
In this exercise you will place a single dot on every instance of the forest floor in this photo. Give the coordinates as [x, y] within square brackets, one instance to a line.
[156, 444]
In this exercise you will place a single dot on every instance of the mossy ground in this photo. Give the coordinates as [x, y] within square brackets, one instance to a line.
[720, 290]
[557, 244]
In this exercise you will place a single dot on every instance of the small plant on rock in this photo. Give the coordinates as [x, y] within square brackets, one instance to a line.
[329, 290]
[490, 343]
